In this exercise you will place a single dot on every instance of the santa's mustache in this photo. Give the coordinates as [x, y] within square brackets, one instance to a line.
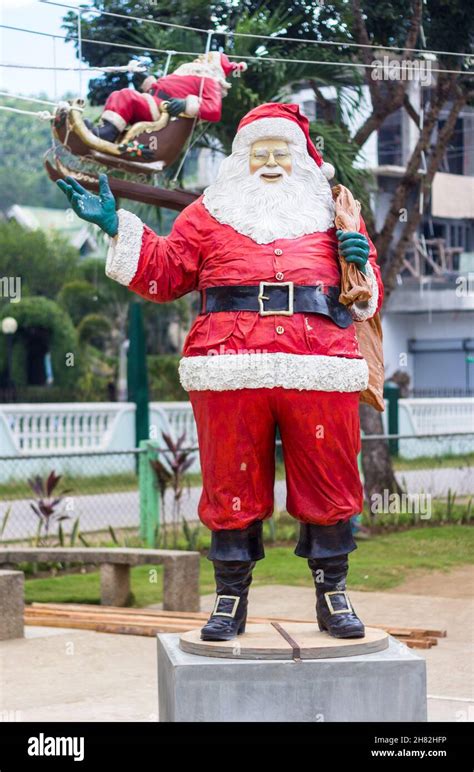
[271, 170]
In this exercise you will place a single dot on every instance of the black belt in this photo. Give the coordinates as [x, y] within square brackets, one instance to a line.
[277, 299]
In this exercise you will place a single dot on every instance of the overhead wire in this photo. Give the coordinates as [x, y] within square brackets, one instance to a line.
[258, 36]
[260, 59]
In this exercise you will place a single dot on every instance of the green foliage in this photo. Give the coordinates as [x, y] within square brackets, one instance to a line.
[94, 329]
[78, 298]
[39, 312]
[24, 142]
[163, 379]
[343, 155]
[43, 263]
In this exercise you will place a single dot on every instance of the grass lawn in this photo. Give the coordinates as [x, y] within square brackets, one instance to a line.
[381, 563]
[81, 486]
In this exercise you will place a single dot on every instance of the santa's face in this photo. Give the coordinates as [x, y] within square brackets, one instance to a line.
[270, 159]
[271, 189]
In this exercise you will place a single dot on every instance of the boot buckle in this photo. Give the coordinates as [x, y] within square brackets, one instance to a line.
[230, 614]
[348, 610]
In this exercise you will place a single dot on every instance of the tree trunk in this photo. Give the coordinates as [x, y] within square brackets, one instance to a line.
[376, 461]
[384, 103]
[410, 179]
[414, 219]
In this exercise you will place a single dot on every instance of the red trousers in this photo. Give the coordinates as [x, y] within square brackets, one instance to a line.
[320, 433]
[132, 106]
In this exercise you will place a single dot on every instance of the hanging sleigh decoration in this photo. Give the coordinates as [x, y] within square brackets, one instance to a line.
[145, 148]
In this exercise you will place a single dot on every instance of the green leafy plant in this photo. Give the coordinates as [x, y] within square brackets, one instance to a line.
[47, 506]
[172, 473]
[191, 535]
[450, 502]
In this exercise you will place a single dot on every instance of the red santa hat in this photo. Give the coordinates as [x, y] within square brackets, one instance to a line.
[279, 121]
[234, 68]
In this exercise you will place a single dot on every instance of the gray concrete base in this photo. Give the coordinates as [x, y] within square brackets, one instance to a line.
[11, 604]
[389, 685]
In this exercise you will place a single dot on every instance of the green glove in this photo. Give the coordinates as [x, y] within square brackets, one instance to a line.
[176, 106]
[354, 247]
[97, 209]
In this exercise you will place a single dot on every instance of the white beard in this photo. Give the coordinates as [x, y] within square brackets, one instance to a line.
[296, 205]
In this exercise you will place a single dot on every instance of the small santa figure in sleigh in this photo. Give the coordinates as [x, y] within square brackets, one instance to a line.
[194, 89]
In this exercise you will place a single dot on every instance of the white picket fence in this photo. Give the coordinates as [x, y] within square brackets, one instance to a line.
[437, 416]
[440, 418]
[42, 430]
[45, 429]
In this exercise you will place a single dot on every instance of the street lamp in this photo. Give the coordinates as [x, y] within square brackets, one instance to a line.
[9, 327]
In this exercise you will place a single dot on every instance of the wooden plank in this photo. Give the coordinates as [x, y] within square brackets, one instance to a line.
[93, 608]
[418, 632]
[110, 618]
[100, 615]
[418, 643]
[85, 624]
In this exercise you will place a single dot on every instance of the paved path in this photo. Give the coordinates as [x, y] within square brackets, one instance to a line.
[114, 677]
[100, 510]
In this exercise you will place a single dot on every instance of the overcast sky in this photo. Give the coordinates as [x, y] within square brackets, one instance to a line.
[23, 48]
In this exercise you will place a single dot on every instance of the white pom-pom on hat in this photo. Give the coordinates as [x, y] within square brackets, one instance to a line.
[328, 170]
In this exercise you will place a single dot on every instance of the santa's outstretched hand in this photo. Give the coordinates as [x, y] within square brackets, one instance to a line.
[100, 209]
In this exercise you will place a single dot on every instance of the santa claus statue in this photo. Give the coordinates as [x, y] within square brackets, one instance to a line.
[195, 89]
[272, 347]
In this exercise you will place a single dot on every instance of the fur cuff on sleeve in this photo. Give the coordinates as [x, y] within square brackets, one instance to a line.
[362, 311]
[124, 249]
[193, 104]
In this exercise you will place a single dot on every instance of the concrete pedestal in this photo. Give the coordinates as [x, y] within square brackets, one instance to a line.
[388, 685]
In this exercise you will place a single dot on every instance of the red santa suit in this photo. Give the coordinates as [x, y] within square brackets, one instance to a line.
[201, 83]
[248, 373]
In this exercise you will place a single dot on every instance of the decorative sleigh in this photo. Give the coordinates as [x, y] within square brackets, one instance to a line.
[144, 149]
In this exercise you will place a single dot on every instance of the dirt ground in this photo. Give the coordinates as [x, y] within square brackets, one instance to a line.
[455, 583]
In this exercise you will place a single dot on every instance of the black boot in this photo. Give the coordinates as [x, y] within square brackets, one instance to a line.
[327, 548]
[234, 554]
[229, 615]
[106, 130]
[334, 610]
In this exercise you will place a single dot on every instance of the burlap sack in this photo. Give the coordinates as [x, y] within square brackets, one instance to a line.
[355, 287]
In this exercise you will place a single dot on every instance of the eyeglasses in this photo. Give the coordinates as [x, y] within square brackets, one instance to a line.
[264, 154]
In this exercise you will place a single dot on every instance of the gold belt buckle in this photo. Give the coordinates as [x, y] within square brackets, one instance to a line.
[262, 298]
[347, 610]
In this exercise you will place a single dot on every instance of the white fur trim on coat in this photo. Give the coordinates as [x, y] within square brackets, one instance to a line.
[115, 119]
[124, 249]
[149, 81]
[154, 109]
[193, 104]
[362, 311]
[227, 372]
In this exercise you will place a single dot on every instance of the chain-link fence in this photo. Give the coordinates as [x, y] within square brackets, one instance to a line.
[104, 490]
[99, 488]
